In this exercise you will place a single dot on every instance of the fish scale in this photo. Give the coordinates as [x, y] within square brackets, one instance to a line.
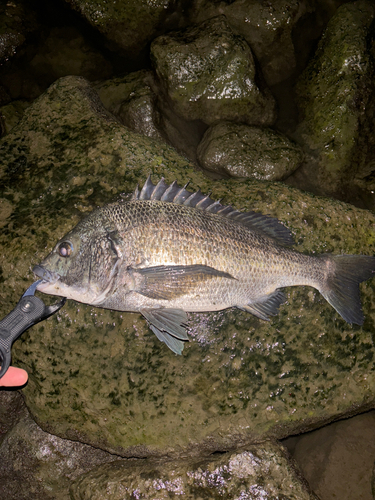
[169, 251]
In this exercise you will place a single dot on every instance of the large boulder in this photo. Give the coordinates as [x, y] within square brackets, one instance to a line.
[127, 25]
[101, 377]
[238, 150]
[266, 26]
[335, 94]
[263, 471]
[208, 73]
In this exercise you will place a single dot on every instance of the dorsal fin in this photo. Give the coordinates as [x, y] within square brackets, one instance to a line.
[173, 193]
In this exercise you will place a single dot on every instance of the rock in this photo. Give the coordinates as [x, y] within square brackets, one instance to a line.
[101, 377]
[266, 26]
[17, 20]
[65, 51]
[11, 114]
[261, 471]
[127, 24]
[132, 100]
[12, 409]
[35, 464]
[335, 95]
[208, 73]
[337, 460]
[239, 150]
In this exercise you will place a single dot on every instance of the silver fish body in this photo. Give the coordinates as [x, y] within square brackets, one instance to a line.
[169, 251]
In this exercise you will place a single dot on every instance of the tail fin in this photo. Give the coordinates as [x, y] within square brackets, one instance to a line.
[342, 285]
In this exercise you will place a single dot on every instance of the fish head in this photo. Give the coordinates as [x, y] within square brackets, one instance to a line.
[82, 265]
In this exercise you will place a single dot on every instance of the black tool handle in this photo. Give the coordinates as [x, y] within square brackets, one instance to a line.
[29, 310]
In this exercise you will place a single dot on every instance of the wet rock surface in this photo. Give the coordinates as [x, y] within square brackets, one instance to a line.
[132, 100]
[101, 377]
[266, 26]
[101, 385]
[17, 21]
[239, 150]
[262, 471]
[128, 25]
[335, 95]
[208, 73]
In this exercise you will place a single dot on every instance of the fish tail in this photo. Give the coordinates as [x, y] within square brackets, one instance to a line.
[341, 289]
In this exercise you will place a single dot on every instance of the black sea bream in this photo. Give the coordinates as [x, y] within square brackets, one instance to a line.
[168, 251]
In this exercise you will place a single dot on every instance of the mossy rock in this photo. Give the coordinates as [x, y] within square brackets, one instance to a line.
[102, 377]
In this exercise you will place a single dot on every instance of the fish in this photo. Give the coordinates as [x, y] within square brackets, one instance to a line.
[168, 251]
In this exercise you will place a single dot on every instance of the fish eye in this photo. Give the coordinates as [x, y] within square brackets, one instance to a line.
[65, 249]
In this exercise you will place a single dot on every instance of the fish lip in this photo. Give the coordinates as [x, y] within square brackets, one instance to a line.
[46, 275]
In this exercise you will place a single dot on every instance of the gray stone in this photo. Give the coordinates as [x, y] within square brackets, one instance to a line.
[128, 24]
[239, 150]
[35, 464]
[261, 471]
[12, 409]
[335, 95]
[266, 26]
[101, 377]
[208, 73]
[338, 460]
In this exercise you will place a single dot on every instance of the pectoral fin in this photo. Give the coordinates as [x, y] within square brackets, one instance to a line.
[169, 282]
[267, 306]
[169, 326]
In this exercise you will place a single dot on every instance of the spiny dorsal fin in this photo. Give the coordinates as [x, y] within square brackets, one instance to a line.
[173, 193]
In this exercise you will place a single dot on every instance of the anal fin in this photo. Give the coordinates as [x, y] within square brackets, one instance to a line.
[266, 306]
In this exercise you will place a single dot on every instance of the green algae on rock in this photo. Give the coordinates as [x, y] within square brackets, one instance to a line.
[261, 471]
[128, 24]
[335, 98]
[11, 114]
[208, 72]
[99, 376]
[238, 150]
[132, 100]
[267, 27]
[137, 101]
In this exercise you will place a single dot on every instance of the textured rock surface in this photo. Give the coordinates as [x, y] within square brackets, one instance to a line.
[209, 74]
[36, 465]
[129, 24]
[243, 151]
[132, 100]
[17, 20]
[102, 377]
[266, 26]
[11, 114]
[260, 472]
[335, 98]
[337, 460]
[12, 409]
[137, 101]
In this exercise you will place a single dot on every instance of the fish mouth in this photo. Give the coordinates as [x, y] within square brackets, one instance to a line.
[47, 276]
